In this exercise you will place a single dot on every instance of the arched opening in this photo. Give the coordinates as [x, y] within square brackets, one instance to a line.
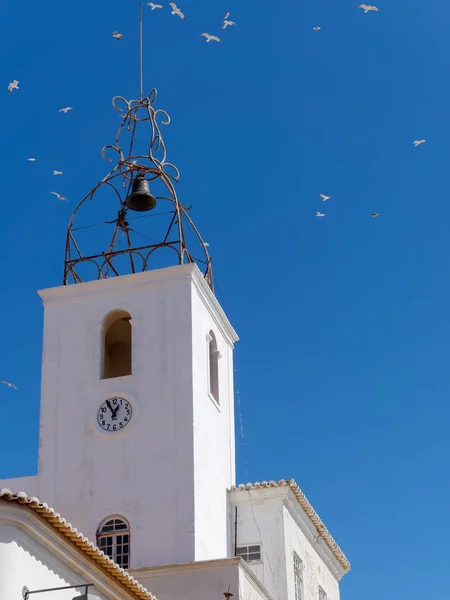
[117, 349]
[113, 539]
[213, 359]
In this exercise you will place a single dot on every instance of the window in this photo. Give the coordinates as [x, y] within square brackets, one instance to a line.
[113, 538]
[298, 576]
[213, 360]
[249, 553]
[117, 345]
[322, 594]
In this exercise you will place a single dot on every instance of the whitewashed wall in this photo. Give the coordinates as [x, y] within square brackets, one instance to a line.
[32, 554]
[168, 471]
[203, 581]
[273, 518]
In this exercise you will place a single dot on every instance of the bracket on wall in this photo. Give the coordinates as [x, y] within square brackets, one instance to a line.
[26, 592]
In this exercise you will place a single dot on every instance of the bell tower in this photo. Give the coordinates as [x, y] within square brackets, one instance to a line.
[137, 411]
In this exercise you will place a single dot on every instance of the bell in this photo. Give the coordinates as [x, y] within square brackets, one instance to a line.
[140, 198]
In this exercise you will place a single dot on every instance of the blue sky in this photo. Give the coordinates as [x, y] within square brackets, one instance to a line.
[342, 366]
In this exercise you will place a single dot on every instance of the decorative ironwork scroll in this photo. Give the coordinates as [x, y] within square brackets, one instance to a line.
[119, 246]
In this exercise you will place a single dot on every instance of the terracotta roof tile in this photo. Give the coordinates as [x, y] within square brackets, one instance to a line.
[48, 514]
[309, 510]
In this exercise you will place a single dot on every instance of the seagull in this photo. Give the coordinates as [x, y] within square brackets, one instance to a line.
[375, 214]
[324, 198]
[31, 159]
[418, 142]
[319, 214]
[211, 37]
[367, 7]
[227, 23]
[13, 86]
[58, 196]
[177, 11]
[117, 35]
[153, 6]
[55, 172]
[11, 385]
[66, 109]
[316, 28]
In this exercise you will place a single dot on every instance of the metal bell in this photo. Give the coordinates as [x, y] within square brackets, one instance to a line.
[140, 199]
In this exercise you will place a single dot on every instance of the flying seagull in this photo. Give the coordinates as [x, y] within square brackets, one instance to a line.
[11, 385]
[58, 196]
[210, 37]
[153, 6]
[367, 7]
[55, 172]
[177, 11]
[324, 198]
[66, 109]
[316, 28]
[319, 214]
[418, 142]
[13, 86]
[227, 23]
[31, 159]
[117, 35]
[375, 214]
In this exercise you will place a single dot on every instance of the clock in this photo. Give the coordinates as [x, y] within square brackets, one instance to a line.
[114, 414]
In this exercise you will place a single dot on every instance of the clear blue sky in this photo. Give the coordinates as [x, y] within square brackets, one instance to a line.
[343, 361]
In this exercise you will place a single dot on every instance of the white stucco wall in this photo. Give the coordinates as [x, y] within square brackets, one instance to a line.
[34, 555]
[203, 581]
[273, 518]
[157, 471]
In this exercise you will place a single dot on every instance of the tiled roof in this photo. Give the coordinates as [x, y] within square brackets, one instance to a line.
[309, 510]
[59, 523]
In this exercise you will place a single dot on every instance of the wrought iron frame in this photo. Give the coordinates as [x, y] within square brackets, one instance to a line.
[155, 166]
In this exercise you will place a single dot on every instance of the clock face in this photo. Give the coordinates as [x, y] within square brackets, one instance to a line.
[114, 414]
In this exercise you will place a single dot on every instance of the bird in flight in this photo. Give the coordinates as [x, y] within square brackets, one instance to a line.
[324, 198]
[211, 37]
[367, 7]
[13, 86]
[117, 35]
[375, 214]
[66, 109]
[153, 6]
[227, 24]
[319, 214]
[58, 196]
[31, 159]
[11, 385]
[418, 142]
[177, 11]
[55, 172]
[316, 28]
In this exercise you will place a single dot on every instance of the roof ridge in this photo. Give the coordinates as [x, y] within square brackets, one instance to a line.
[58, 522]
[309, 510]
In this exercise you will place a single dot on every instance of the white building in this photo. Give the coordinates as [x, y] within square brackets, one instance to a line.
[137, 443]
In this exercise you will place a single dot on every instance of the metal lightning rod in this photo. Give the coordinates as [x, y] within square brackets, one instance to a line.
[141, 54]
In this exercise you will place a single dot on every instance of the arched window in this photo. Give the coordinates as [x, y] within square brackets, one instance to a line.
[117, 345]
[113, 538]
[213, 360]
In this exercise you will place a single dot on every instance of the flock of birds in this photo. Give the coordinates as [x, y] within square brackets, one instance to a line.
[179, 13]
[366, 8]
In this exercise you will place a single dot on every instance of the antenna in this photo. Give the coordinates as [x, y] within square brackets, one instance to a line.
[141, 54]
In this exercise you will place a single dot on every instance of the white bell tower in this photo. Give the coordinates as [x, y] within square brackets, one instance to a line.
[137, 412]
[167, 469]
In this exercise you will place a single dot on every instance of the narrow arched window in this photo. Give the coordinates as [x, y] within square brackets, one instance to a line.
[117, 345]
[113, 538]
[213, 360]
